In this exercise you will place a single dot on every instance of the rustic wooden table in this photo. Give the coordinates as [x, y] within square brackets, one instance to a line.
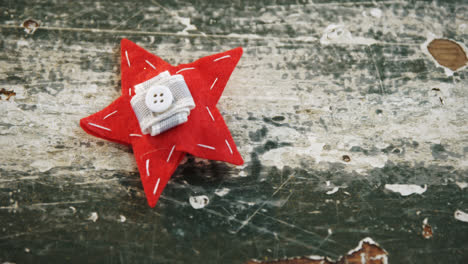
[348, 128]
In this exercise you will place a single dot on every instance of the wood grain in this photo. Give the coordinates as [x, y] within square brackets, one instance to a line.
[296, 107]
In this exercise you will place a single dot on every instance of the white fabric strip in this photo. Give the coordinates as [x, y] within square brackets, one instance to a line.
[156, 123]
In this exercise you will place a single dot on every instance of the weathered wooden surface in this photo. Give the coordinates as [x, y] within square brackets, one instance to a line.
[295, 107]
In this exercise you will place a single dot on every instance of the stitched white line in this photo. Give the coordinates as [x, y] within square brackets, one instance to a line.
[98, 126]
[135, 135]
[156, 187]
[128, 61]
[130, 91]
[213, 83]
[209, 112]
[152, 66]
[229, 146]
[147, 167]
[185, 69]
[205, 146]
[170, 154]
[109, 114]
[223, 57]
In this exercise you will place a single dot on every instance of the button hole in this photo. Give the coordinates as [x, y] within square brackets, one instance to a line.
[162, 100]
[161, 94]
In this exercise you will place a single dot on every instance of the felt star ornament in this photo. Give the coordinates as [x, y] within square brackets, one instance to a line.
[205, 134]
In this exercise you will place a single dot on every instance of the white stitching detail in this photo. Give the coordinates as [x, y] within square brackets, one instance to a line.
[156, 186]
[109, 114]
[229, 146]
[128, 61]
[223, 57]
[170, 154]
[152, 66]
[130, 91]
[147, 167]
[135, 135]
[206, 146]
[98, 126]
[185, 69]
[214, 83]
[209, 112]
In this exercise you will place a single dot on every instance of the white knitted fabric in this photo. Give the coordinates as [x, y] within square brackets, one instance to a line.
[156, 123]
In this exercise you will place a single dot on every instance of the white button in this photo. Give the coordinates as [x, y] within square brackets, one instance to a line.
[158, 98]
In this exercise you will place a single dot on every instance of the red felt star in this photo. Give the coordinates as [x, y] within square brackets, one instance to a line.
[205, 134]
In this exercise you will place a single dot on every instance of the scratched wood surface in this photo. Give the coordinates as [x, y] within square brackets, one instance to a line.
[323, 122]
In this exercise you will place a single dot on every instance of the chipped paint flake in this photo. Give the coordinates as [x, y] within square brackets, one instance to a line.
[8, 94]
[376, 12]
[406, 189]
[198, 202]
[222, 192]
[462, 185]
[30, 26]
[315, 257]
[314, 150]
[339, 34]
[281, 157]
[334, 190]
[93, 217]
[186, 22]
[425, 47]
[426, 229]
[461, 216]
[366, 240]
[367, 252]
[242, 174]
[123, 219]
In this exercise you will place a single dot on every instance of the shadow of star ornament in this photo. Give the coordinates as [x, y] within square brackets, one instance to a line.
[204, 134]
